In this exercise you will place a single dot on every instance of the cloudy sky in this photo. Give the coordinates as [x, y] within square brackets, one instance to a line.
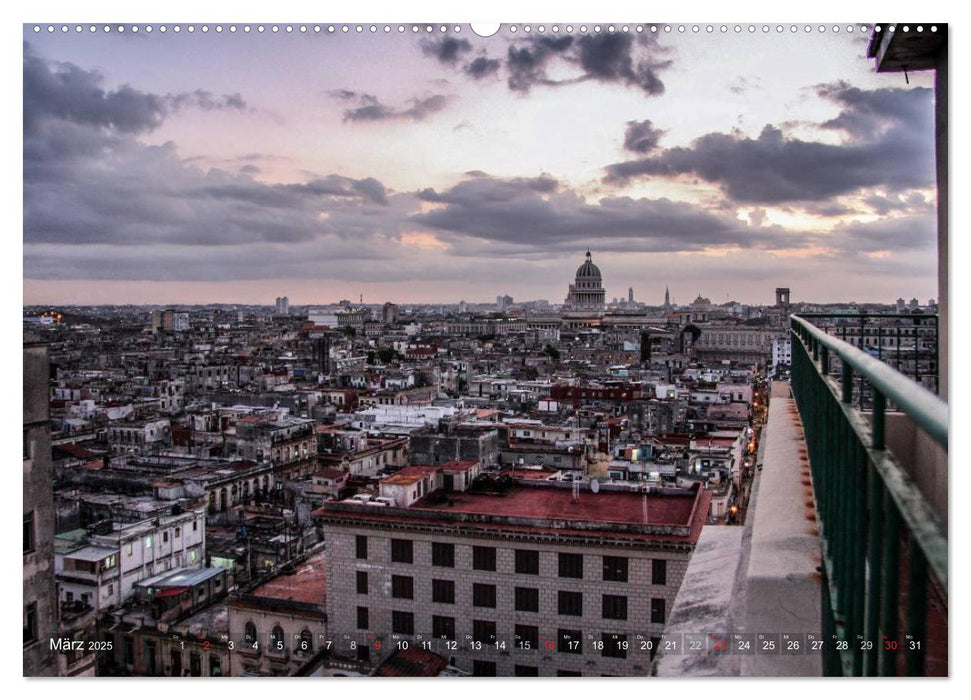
[420, 167]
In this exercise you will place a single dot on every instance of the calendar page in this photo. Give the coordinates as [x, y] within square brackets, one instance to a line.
[450, 349]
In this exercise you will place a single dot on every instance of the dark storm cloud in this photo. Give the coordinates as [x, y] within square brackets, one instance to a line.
[902, 234]
[527, 62]
[533, 214]
[641, 137]
[889, 144]
[65, 91]
[482, 66]
[609, 58]
[373, 110]
[447, 49]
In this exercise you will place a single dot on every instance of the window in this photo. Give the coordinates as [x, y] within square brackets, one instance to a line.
[483, 595]
[148, 542]
[361, 546]
[483, 668]
[165, 536]
[527, 637]
[614, 645]
[402, 622]
[30, 623]
[277, 639]
[563, 672]
[443, 554]
[443, 627]
[484, 558]
[129, 549]
[362, 618]
[615, 569]
[401, 551]
[659, 572]
[483, 631]
[195, 525]
[569, 641]
[402, 587]
[443, 591]
[525, 670]
[527, 562]
[362, 582]
[178, 532]
[571, 565]
[527, 599]
[615, 607]
[657, 610]
[249, 634]
[29, 532]
[570, 603]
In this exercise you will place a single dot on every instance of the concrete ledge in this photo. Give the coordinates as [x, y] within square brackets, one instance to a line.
[783, 583]
[705, 602]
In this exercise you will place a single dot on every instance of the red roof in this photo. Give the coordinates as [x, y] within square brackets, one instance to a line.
[412, 663]
[307, 585]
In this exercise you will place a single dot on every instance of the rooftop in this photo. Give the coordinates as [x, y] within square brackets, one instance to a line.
[548, 508]
[558, 504]
[307, 585]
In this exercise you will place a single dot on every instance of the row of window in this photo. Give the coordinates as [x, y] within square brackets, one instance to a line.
[613, 607]
[525, 637]
[527, 560]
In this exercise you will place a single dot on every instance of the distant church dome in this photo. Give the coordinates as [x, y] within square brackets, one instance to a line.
[587, 292]
[588, 270]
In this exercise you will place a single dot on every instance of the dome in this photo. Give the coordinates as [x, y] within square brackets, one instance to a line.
[588, 270]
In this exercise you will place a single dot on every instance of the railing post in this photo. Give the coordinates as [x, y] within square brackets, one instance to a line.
[889, 595]
[878, 427]
[847, 385]
[916, 611]
[874, 582]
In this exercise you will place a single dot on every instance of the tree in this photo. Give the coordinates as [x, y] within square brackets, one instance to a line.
[552, 352]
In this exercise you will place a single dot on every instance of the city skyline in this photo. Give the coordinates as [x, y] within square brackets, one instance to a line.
[430, 167]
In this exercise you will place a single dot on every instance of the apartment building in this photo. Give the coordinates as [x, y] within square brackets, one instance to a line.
[539, 581]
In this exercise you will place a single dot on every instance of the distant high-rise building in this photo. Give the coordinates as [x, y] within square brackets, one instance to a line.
[901, 305]
[40, 598]
[389, 313]
[503, 302]
[282, 306]
[667, 298]
[587, 292]
[914, 304]
[630, 295]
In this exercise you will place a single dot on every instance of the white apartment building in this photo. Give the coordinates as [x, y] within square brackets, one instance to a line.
[103, 569]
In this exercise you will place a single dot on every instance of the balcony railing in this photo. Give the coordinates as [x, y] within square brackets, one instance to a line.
[876, 603]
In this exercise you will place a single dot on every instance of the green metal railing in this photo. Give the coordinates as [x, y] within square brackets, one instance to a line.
[875, 601]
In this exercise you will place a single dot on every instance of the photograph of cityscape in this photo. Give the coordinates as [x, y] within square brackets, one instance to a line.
[429, 350]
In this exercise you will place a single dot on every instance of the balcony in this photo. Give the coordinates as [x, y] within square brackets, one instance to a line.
[884, 546]
[845, 538]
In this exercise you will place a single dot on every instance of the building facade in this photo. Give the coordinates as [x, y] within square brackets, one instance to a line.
[533, 583]
[40, 599]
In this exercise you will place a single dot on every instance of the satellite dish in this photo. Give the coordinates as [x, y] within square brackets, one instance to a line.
[595, 486]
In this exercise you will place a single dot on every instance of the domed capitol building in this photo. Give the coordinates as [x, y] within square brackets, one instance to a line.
[587, 292]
